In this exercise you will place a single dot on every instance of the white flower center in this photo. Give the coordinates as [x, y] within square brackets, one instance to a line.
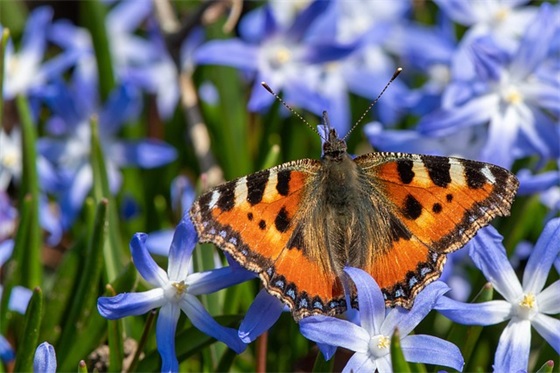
[512, 95]
[278, 56]
[501, 14]
[10, 158]
[527, 307]
[174, 290]
[379, 346]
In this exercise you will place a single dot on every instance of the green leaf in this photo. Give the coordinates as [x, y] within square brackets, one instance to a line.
[29, 340]
[28, 252]
[3, 42]
[85, 300]
[92, 16]
[112, 255]
[547, 367]
[322, 365]
[397, 356]
[466, 336]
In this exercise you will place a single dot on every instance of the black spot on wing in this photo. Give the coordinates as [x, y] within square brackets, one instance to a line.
[398, 230]
[449, 197]
[256, 183]
[282, 221]
[473, 174]
[438, 169]
[436, 208]
[262, 224]
[412, 208]
[404, 168]
[283, 183]
[226, 199]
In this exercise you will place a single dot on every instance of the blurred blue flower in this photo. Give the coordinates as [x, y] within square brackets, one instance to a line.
[517, 98]
[546, 184]
[18, 301]
[182, 198]
[26, 72]
[371, 340]
[280, 55]
[10, 172]
[44, 360]
[526, 304]
[174, 291]
[503, 21]
[142, 61]
[10, 157]
[8, 216]
[69, 150]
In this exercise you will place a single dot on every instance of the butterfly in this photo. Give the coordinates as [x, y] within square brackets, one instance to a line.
[394, 215]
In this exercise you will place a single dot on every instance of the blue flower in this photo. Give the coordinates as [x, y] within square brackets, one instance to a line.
[26, 73]
[371, 340]
[144, 62]
[44, 359]
[518, 97]
[19, 299]
[280, 55]
[525, 304]
[174, 291]
[69, 150]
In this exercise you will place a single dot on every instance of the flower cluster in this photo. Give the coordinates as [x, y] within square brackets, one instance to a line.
[104, 111]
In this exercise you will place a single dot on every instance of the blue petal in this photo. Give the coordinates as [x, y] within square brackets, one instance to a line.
[489, 255]
[6, 351]
[202, 320]
[333, 331]
[180, 253]
[44, 359]
[512, 354]
[549, 328]
[19, 299]
[531, 184]
[487, 313]
[460, 11]
[261, 315]
[406, 320]
[159, 242]
[361, 363]
[545, 252]
[305, 18]
[536, 42]
[476, 111]
[149, 153]
[6, 249]
[432, 350]
[233, 52]
[130, 304]
[217, 279]
[124, 104]
[548, 299]
[145, 264]
[370, 300]
[165, 335]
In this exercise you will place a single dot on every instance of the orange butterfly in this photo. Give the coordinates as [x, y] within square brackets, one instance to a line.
[394, 215]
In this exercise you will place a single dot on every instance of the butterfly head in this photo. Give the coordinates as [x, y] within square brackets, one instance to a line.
[334, 147]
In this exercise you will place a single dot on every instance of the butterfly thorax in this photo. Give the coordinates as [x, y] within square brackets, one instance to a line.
[340, 218]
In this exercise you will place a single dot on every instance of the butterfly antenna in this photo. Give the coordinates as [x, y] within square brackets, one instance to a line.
[397, 72]
[267, 87]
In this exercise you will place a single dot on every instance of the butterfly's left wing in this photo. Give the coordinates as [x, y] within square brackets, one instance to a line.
[255, 220]
[437, 204]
